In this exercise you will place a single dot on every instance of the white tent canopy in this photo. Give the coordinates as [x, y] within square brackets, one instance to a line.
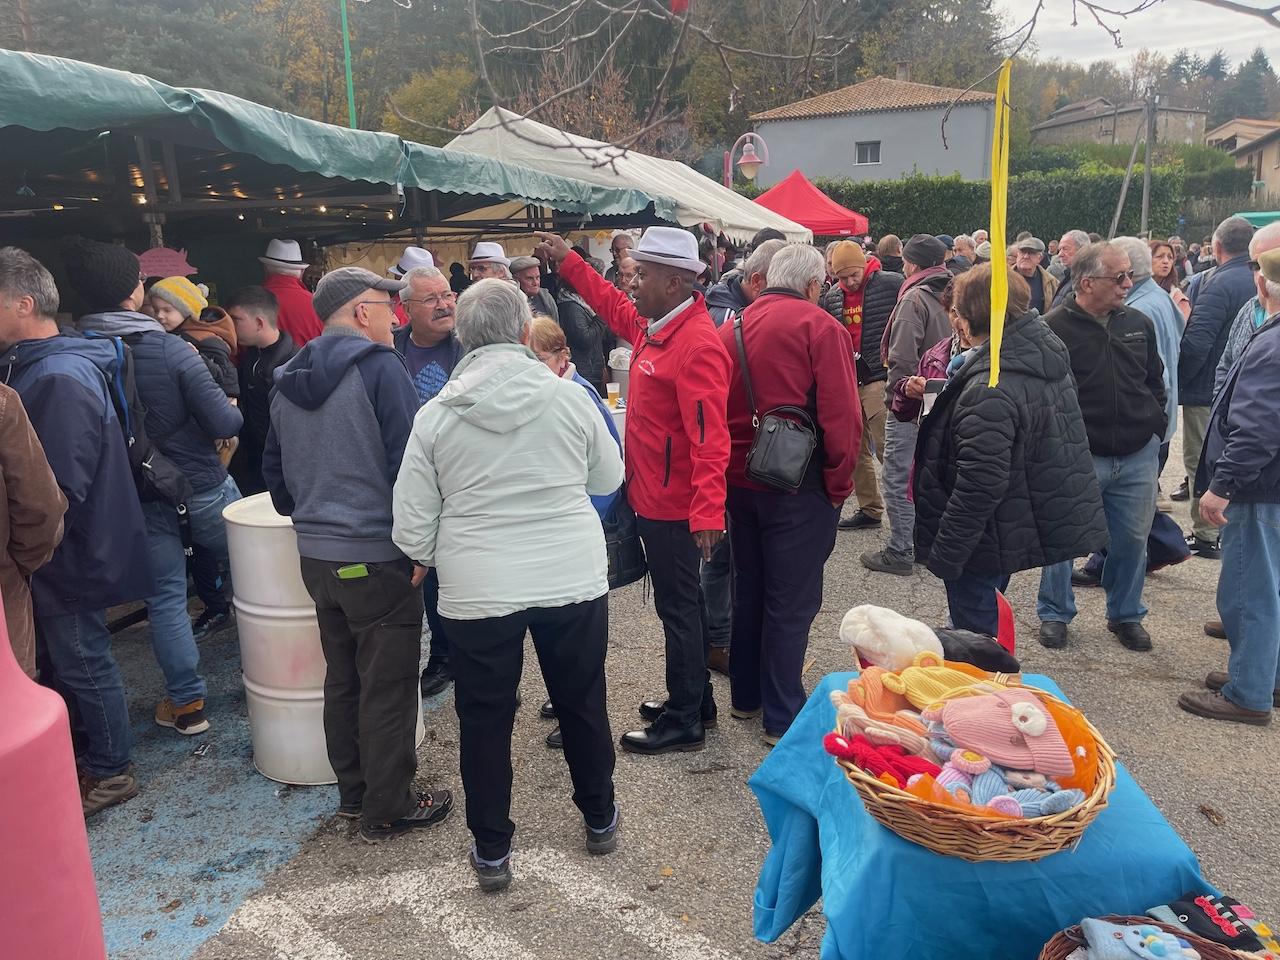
[506, 136]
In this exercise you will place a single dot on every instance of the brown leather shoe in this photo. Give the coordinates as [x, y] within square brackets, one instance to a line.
[1214, 706]
[1215, 629]
[718, 660]
[1217, 679]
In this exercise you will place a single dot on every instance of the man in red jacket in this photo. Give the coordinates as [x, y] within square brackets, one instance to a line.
[677, 450]
[797, 355]
[284, 267]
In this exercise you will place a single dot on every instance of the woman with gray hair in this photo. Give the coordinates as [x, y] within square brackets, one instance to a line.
[786, 351]
[494, 493]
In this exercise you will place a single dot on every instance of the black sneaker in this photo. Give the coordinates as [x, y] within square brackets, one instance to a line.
[491, 879]
[859, 521]
[1132, 635]
[1182, 493]
[1084, 577]
[210, 622]
[1053, 634]
[433, 807]
[1204, 549]
[881, 562]
[600, 842]
[436, 678]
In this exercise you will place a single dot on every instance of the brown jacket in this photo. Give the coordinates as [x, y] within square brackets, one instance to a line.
[31, 508]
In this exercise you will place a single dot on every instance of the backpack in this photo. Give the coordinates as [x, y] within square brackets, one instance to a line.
[156, 477]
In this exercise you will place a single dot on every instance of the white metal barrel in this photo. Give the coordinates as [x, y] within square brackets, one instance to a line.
[279, 646]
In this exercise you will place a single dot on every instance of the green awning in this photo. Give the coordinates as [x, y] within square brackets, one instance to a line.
[1261, 218]
[43, 94]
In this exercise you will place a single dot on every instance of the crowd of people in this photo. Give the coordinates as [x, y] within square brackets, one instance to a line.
[443, 448]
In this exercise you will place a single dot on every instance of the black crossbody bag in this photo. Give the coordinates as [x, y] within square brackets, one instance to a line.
[785, 436]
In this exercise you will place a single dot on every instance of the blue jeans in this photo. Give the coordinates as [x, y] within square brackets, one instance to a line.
[971, 600]
[210, 568]
[78, 649]
[1249, 602]
[1128, 486]
[171, 639]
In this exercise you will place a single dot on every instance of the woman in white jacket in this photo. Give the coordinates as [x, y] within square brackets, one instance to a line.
[494, 493]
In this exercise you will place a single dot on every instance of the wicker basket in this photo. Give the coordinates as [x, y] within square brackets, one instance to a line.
[1063, 943]
[954, 833]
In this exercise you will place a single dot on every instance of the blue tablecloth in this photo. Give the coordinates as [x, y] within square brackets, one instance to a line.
[887, 898]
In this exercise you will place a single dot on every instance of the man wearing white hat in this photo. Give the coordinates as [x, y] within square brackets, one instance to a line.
[677, 451]
[411, 258]
[488, 259]
[284, 267]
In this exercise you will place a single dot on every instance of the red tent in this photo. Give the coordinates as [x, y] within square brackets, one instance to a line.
[799, 200]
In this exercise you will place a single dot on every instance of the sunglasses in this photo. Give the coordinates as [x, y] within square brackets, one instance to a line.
[1118, 278]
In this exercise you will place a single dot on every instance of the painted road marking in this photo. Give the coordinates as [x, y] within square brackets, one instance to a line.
[280, 922]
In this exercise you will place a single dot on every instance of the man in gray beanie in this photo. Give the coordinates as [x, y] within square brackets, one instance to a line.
[340, 419]
[918, 322]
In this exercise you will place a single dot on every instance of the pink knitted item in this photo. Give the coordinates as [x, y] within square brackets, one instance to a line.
[1012, 728]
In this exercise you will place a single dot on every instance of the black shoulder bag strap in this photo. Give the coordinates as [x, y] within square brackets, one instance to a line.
[746, 372]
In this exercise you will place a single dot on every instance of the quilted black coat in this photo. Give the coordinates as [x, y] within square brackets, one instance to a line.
[1004, 480]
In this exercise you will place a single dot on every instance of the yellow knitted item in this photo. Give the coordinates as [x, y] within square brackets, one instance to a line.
[930, 679]
[182, 293]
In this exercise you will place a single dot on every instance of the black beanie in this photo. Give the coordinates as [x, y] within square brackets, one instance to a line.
[102, 273]
[924, 251]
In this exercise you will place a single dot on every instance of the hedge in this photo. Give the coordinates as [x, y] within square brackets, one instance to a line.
[1047, 204]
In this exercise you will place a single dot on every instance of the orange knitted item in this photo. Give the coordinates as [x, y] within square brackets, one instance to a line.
[1080, 743]
[882, 704]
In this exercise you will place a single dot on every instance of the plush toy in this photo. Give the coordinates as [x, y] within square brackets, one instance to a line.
[884, 638]
[1109, 941]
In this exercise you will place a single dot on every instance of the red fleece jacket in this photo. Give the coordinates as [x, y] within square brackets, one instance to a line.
[677, 442]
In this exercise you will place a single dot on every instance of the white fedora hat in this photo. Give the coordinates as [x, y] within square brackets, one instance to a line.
[487, 251]
[285, 253]
[412, 257]
[672, 246]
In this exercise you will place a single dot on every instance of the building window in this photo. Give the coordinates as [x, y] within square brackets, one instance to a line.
[867, 152]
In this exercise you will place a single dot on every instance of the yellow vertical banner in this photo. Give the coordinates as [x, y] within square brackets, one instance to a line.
[999, 208]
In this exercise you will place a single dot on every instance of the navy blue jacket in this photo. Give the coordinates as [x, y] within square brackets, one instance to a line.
[400, 339]
[1216, 304]
[103, 559]
[186, 409]
[726, 297]
[1241, 456]
[340, 418]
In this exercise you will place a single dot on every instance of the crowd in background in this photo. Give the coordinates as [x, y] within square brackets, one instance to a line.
[443, 446]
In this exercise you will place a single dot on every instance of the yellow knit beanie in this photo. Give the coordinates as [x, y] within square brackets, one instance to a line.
[184, 295]
[930, 679]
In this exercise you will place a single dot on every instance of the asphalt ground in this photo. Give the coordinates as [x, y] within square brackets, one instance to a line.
[692, 840]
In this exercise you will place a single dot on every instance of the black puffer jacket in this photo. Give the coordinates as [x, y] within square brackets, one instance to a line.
[1003, 479]
[878, 301]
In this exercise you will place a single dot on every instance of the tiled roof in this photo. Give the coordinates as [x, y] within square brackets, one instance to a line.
[876, 94]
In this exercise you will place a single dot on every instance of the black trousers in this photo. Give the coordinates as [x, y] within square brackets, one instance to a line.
[675, 567]
[371, 634]
[486, 658]
[781, 542]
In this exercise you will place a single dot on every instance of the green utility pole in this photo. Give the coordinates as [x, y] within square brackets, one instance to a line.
[346, 53]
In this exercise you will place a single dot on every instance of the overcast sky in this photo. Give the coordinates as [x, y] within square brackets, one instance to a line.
[1167, 27]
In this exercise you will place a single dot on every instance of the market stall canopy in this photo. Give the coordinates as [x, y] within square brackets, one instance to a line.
[798, 199]
[95, 144]
[516, 140]
[1260, 218]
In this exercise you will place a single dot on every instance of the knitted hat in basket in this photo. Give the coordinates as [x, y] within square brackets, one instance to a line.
[1110, 941]
[882, 704]
[930, 679]
[1013, 728]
